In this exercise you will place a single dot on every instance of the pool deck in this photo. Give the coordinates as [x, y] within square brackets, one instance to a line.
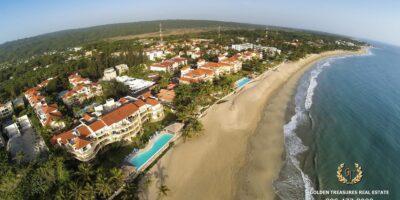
[133, 174]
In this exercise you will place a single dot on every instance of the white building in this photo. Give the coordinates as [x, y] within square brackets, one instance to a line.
[122, 123]
[6, 110]
[242, 47]
[23, 138]
[109, 74]
[136, 86]
[122, 68]
[154, 54]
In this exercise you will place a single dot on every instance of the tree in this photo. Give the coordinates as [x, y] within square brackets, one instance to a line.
[85, 172]
[163, 191]
[75, 192]
[103, 185]
[19, 157]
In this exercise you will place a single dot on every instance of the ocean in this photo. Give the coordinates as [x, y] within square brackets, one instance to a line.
[345, 110]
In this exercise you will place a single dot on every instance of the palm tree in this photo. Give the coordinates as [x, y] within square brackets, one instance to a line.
[116, 177]
[103, 187]
[75, 192]
[163, 191]
[85, 172]
[88, 192]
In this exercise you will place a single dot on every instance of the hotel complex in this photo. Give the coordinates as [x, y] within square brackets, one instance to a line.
[99, 129]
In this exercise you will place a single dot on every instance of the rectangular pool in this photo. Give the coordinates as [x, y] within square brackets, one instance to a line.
[157, 144]
[241, 82]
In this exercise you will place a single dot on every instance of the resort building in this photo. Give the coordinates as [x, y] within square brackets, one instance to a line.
[189, 75]
[48, 115]
[248, 46]
[75, 80]
[6, 110]
[122, 68]
[219, 69]
[168, 66]
[83, 90]
[98, 130]
[109, 74]
[154, 54]
[136, 86]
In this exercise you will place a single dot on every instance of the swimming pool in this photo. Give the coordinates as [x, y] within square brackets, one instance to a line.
[242, 82]
[143, 157]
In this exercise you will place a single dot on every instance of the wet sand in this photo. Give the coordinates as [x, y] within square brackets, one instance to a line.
[239, 154]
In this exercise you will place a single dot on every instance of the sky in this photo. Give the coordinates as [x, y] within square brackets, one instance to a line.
[371, 19]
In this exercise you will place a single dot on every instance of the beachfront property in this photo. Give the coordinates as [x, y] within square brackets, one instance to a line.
[109, 74]
[23, 138]
[6, 110]
[136, 86]
[248, 46]
[158, 143]
[168, 66]
[83, 90]
[189, 75]
[104, 127]
[48, 114]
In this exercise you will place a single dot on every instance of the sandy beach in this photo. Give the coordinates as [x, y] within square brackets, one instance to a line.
[232, 159]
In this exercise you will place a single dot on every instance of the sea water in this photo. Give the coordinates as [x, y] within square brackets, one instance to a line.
[346, 110]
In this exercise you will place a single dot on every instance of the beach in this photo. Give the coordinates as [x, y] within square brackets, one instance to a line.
[233, 158]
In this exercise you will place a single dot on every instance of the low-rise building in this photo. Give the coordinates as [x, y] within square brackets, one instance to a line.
[83, 90]
[48, 114]
[6, 110]
[122, 123]
[75, 80]
[23, 138]
[154, 54]
[122, 68]
[189, 75]
[219, 69]
[136, 86]
[109, 74]
[80, 93]
[168, 66]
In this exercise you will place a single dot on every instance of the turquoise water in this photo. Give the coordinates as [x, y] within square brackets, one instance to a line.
[347, 110]
[159, 142]
[242, 82]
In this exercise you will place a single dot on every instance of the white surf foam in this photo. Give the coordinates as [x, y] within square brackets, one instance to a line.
[313, 83]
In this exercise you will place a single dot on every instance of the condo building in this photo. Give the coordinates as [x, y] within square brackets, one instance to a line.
[99, 129]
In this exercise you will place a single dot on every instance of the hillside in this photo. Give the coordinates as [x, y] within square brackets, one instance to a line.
[69, 38]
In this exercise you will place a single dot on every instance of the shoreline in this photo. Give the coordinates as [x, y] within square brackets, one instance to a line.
[213, 165]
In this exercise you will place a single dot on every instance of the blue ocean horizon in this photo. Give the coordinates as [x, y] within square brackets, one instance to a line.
[347, 111]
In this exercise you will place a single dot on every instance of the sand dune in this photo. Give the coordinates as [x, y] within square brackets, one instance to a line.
[231, 160]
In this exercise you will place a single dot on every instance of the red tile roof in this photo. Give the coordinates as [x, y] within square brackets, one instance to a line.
[97, 125]
[214, 65]
[64, 137]
[139, 103]
[119, 114]
[83, 131]
[152, 102]
[80, 143]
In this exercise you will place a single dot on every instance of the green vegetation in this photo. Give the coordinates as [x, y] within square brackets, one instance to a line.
[25, 48]
[60, 177]
[63, 177]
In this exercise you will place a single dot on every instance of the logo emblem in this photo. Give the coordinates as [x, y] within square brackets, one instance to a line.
[347, 177]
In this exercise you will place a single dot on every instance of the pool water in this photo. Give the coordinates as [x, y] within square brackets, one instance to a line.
[143, 157]
[242, 82]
